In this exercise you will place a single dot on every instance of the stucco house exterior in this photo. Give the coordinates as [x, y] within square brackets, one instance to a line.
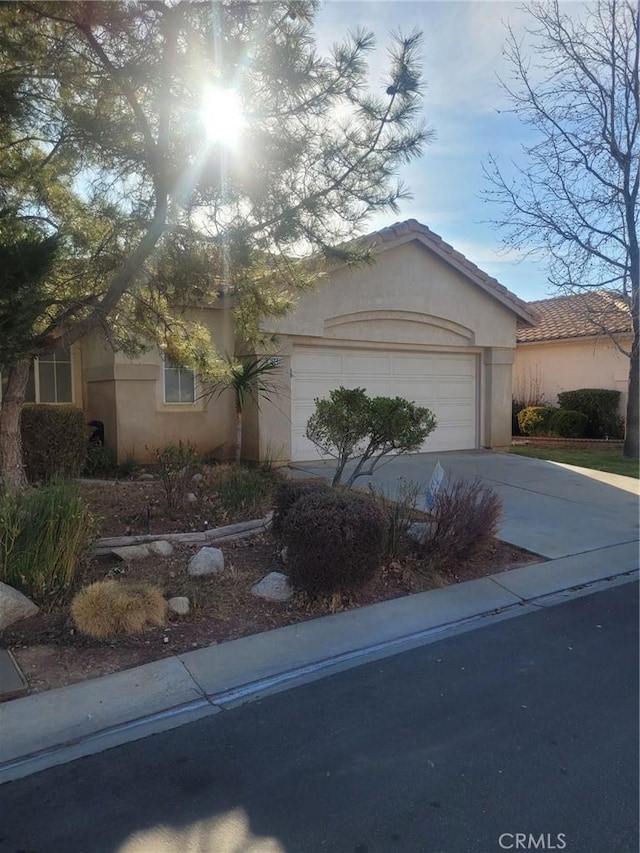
[422, 322]
[567, 349]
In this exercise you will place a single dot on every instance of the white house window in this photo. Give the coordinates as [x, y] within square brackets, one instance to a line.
[179, 383]
[50, 379]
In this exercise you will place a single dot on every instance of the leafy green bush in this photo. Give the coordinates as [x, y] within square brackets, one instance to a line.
[465, 521]
[534, 420]
[99, 461]
[335, 542]
[177, 464]
[351, 425]
[600, 405]
[286, 495]
[44, 534]
[54, 442]
[568, 424]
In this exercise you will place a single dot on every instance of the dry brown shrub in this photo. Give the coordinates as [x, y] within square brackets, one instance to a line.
[109, 609]
[465, 522]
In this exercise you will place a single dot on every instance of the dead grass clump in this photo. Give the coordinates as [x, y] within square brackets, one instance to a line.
[109, 608]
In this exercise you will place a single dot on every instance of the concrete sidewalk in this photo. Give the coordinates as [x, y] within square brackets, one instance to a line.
[46, 729]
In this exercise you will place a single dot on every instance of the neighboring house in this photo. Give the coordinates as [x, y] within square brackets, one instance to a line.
[423, 323]
[568, 349]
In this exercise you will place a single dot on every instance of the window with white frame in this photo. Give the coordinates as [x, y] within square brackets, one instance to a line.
[50, 379]
[179, 383]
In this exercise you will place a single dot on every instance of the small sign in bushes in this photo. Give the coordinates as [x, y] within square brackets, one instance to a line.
[434, 485]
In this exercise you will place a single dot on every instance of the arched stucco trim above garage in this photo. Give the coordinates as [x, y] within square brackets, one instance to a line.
[410, 327]
[422, 322]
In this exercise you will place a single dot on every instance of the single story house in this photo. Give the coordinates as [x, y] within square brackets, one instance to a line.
[423, 322]
[567, 348]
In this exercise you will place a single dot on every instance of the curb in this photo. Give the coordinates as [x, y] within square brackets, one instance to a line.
[91, 716]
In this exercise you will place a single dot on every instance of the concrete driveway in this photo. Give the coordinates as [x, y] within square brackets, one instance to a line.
[551, 509]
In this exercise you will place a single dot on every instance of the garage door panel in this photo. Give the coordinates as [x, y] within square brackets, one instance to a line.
[366, 365]
[318, 363]
[446, 383]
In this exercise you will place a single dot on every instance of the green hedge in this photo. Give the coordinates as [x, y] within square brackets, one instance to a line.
[54, 442]
[600, 405]
[566, 423]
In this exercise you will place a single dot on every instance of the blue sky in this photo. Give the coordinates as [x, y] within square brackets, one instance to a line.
[462, 60]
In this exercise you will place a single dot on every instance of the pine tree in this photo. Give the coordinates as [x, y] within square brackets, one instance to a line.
[116, 140]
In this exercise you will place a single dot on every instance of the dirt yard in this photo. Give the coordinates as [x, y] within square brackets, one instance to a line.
[51, 653]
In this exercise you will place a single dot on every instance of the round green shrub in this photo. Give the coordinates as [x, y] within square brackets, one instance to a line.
[335, 542]
[568, 424]
[600, 405]
[534, 420]
[287, 494]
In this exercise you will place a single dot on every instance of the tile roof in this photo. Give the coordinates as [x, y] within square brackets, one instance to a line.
[576, 316]
[411, 229]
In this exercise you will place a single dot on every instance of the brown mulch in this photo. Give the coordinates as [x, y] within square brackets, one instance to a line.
[131, 507]
[51, 653]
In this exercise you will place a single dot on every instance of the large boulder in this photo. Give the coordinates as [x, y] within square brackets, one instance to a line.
[273, 587]
[208, 561]
[14, 606]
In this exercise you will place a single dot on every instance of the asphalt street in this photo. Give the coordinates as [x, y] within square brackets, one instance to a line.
[524, 732]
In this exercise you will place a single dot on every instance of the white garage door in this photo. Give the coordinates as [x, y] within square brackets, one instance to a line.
[444, 382]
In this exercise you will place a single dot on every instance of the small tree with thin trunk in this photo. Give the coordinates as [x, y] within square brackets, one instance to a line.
[352, 426]
[574, 202]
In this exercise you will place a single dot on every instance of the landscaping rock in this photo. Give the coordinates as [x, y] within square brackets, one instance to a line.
[180, 605]
[196, 478]
[145, 477]
[283, 555]
[131, 552]
[160, 547]
[14, 606]
[419, 530]
[208, 561]
[273, 587]
[191, 498]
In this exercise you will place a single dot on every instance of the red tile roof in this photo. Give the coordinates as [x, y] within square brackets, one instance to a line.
[577, 316]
